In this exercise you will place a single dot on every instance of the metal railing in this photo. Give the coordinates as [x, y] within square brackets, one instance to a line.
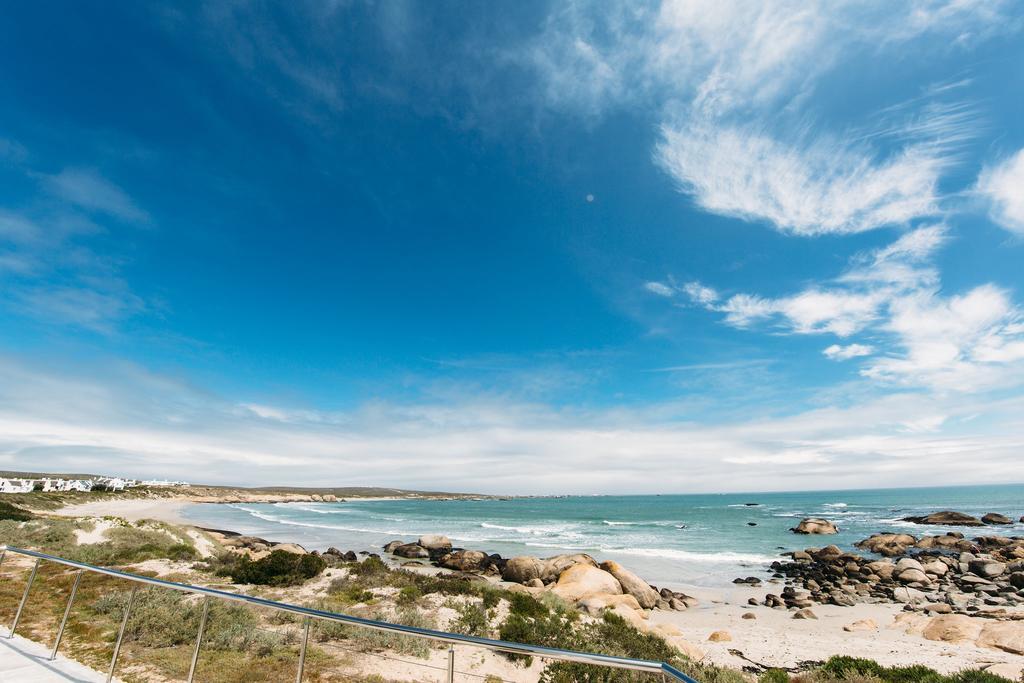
[666, 671]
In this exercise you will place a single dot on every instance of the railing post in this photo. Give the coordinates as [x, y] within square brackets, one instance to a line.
[120, 634]
[199, 640]
[24, 597]
[451, 664]
[67, 613]
[302, 650]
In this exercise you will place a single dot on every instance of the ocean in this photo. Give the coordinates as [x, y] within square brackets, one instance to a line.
[670, 540]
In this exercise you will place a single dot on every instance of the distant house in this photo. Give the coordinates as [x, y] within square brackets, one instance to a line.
[16, 485]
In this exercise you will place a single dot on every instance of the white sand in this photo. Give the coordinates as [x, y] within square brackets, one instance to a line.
[132, 509]
[774, 638]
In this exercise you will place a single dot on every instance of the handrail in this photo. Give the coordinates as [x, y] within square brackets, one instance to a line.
[667, 671]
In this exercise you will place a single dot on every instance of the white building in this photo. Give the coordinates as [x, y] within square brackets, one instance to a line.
[16, 485]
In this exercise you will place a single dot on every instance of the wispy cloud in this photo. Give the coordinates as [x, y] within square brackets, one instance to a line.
[837, 352]
[87, 189]
[1002, 184]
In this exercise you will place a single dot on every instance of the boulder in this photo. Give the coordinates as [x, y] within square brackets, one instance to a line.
[1007, 636]
[464, 560]
[720, 637]
[935, 567]
[946, 518]
[805, 613]
[1017, 580]
[996, 518]
[435, 544]
[634, 618]
[390, 547]
[350, 556]
[632, 584]
[522, 569]
[887, 544]
[330, 498]
[749, 615]
[582, 580]
[412, 551]
[907, 595]
[952, 628]
[913, 576]
[908, 563]
[884, 569]
[815, 525]
[986, 568]
[293, 548]
[686, 647]
[861, 625]
[554, 566]
[595, 604]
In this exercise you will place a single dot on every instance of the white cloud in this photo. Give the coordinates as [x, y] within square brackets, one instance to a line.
[824, 187]
[659, 289]
[700, 294]
[733, 84]
[966, 342]
[1002, 184]
[89, 190]
[124, 419]
[837, 352]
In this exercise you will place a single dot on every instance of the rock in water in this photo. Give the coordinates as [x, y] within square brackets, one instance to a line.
[946, 518]
[996, 518]
[632, 584]
[390, 547]
[815, 525]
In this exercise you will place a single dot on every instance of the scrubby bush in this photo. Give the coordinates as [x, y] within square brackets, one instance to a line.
[279, 568]
[473, 620]
[857, 669]
[14, 513]
[773, 676]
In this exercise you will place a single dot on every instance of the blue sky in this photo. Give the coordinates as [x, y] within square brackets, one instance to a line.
[562, 247]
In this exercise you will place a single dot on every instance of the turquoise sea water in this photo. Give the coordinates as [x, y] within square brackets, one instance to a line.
[672, 540]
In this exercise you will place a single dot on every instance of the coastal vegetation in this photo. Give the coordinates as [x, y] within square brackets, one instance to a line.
[551, 608]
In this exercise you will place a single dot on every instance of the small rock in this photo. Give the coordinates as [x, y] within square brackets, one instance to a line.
[749, 615]
[805, 613]
[720, 637]
[861, 625]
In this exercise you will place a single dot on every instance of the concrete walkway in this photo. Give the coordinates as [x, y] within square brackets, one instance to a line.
[24, 661]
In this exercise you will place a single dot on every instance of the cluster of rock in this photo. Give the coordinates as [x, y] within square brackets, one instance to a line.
[952, 518]
[578, 578]
[255, 546]
[941, 574]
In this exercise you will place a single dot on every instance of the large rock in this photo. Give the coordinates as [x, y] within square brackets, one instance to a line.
[522, 569]
[390, 547]
[952, 628]
[887, 544]
[412, 551]
[815, 525]
[946, 518]
[986, 568]
[554, 566]
[435, 544]
[996, 518]
[583, 580]
[293, 548]
[1007, 636]
[595, 604]
[632, 584]
[464, 560]
[913, 576]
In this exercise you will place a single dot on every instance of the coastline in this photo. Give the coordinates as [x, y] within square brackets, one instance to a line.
[771, 638]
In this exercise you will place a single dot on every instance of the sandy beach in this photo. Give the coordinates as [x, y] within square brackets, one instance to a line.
[772, 638]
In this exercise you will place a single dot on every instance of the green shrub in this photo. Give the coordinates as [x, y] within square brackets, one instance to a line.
[773, 676]
[14, 513]
[525, 605]
[473, 620]
[409, 595]
[852, 668]
[279, 568]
